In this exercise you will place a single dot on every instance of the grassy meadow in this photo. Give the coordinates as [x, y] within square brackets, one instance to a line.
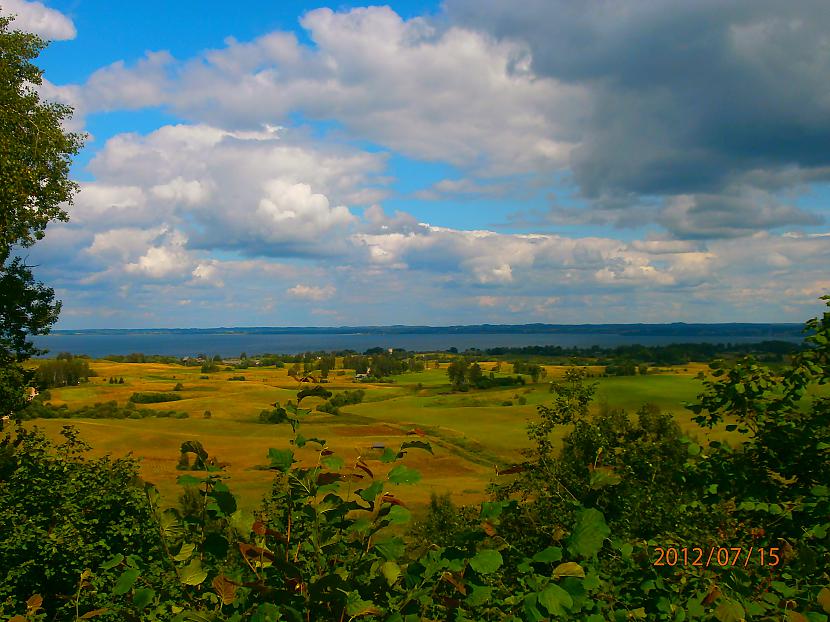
[470, 432]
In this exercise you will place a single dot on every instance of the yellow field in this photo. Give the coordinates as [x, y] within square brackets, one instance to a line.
[470, 432]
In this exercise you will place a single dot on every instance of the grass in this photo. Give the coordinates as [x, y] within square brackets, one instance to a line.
[470, 432]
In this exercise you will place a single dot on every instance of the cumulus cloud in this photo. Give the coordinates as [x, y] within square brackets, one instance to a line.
[39, 19]
[259, 193]
[444, 94]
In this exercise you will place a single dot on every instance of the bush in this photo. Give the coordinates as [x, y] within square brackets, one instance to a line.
[237, 378]
[179, 387]
[154, 398]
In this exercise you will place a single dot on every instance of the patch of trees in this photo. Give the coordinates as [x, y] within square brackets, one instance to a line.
[463, 375]
[66, 370]
[40, 409]
[671, 354]
[147, 397]
[138, 357]
[337, 401]
[531, 369]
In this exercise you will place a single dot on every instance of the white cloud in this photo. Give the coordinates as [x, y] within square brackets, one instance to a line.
[453, 95]
[261, 193]
[39, 19]
[311, 292]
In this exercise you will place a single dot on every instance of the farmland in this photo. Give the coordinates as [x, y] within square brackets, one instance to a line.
[471, 432]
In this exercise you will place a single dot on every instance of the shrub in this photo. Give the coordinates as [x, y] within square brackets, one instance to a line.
[154, 398]
[179, 387]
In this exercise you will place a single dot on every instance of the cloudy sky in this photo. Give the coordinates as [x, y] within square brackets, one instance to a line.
[471, 161]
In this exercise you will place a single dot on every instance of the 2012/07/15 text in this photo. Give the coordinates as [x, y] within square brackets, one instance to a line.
[717, 556]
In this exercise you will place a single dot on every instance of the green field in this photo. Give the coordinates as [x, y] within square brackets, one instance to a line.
[471, 432]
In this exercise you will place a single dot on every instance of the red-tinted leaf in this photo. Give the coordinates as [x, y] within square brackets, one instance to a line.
[362, 466]
[392, 499]
[456, 581]
[251, 552]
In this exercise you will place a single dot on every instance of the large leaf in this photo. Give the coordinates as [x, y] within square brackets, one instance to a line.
[402, 474]
[113, 561]
[824, 599]
[224, 588]
[126, 581]
[550, 554]
[186, 552]
[371, 493]
[588, 534]
[604, 476]
[189, 480]
[281, 459]
[391, 571]
[334, 463]
[391, 549]
[730, 611]
[555, 600]
[143, 596]
[486, 561]
[193, 574]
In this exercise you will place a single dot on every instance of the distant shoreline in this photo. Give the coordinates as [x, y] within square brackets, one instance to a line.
[745, 329]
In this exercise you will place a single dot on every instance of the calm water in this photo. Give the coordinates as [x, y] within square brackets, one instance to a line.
[98, 346]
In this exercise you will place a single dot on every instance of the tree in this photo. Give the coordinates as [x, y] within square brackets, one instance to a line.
[35, 154]
[457, 373]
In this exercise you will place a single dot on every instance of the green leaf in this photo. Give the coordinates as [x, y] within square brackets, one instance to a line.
[189, 480]
[550, 554]
[391, 571]
[588, 534]
[730, 611]
[242, 521]
[185, 552]
[143, 596]
[193, 574]
[425, 445]
[398, 515]
[391, 549]
[479, 595]
[604, 476]
[555, 599]
[281, 459]
[492, 509]
[823, 599]
[112, 562]
[568, 569]
[125, 582]
[333, 463]
[401, 474]
[486, 561]
[388, 455]
[371, 493]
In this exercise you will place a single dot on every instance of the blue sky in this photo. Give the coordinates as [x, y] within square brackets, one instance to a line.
[298, 163]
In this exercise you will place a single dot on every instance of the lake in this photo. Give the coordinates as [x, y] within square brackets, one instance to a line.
[226, 345]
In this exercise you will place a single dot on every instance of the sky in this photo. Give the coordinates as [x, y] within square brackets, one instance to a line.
[458, 162]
